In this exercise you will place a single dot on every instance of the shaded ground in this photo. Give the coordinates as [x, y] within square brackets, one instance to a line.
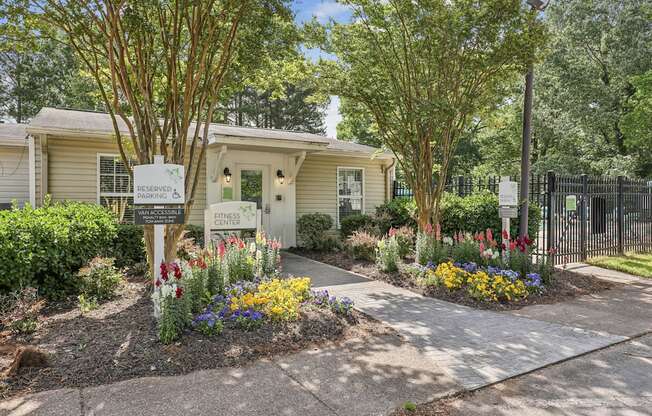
[119, 341]
[613, 381]
[633, 263]
[565, 286]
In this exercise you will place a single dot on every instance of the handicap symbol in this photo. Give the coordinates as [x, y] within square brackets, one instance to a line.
[175, 194]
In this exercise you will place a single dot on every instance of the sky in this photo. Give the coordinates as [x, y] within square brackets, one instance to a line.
[323, 10]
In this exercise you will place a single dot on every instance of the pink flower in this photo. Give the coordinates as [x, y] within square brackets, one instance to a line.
[481, 247]
[437, 232]
[490, 235]
[392, 232]
[428, 228]
[221, 249]
[512, 245]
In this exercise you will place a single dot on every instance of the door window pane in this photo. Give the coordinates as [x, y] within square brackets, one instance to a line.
[251, 186]
[350, 192]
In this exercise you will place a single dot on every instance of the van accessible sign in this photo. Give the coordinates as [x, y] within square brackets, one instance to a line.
[159, 184]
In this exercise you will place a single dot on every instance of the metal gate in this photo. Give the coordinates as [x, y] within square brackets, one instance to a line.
[610, 216]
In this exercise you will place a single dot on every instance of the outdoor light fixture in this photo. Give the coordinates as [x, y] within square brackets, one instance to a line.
[227, 175]
[280, 176]
[538, 4]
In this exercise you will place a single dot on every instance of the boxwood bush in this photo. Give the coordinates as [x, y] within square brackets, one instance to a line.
[45, 247]
[313, 231]
[128, 248]
[356, 222]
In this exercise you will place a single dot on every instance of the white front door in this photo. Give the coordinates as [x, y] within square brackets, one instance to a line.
[252, 184]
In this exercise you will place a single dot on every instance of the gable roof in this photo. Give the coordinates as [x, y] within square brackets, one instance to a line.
[12, 134]
[60, 121]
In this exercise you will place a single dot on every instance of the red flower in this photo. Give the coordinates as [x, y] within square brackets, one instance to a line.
[505, 235]
[158, 283]
[481, 247]
[164, 271]
[528, 241]
[179, 292]
[221, 249]
[512, 245]
[177, 270]
[428, 228]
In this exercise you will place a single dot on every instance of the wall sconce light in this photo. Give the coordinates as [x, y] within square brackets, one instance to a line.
[227, 175]
[280, 176]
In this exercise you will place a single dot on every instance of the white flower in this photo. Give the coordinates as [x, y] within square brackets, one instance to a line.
[447, 240]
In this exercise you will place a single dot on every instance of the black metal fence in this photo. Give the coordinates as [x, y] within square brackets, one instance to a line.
[582, 216]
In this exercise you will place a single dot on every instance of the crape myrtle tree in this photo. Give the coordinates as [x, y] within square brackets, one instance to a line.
[160, 67]
[424, 69]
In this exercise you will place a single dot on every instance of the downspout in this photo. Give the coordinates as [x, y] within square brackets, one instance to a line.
[216, 172]
[32, 171]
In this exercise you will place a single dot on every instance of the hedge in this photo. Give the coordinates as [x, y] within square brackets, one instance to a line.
[472, 213]
[479, 211]
[355, 222]
[44, 247]
[128, 247]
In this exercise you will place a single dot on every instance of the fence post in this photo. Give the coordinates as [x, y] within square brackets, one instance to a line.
[460, 185]
[620, 222]
[550, 213]
[583, 217]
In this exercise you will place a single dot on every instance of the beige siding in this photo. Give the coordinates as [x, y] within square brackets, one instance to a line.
[14, 174]
[37, 171]
[317, 181]
[72, 172]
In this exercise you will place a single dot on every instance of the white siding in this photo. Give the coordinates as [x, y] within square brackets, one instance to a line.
[317, 184]
[72, 172]
[14, 174]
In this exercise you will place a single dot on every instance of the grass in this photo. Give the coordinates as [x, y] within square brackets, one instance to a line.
[632, 263]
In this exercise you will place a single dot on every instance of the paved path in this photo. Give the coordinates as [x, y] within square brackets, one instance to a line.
[613, 381]
[474, 347]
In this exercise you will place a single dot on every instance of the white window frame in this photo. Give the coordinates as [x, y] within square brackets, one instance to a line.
[98, 191]
[337, 191]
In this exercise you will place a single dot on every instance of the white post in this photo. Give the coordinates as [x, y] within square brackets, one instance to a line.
[506, 227]
[159, 242]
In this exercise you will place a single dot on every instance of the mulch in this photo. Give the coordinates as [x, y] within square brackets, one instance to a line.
[566, 285]
[118, 341]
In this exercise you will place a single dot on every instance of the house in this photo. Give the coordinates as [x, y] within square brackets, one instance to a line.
[287, 174]
[15, 158]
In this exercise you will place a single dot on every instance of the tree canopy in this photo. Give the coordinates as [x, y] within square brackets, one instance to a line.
[424, 70]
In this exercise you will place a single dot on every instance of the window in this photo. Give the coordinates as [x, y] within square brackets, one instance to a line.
[350, 192]
[115, 188]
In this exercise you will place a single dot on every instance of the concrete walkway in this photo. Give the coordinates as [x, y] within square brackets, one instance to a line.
[441, 349]
[473, 347]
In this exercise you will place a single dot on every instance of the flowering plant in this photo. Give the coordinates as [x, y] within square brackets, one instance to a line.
[322, 299]
[388, 254]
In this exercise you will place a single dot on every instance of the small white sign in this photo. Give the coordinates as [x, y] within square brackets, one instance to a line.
[507, 193]
[159, 184]
[231, 216]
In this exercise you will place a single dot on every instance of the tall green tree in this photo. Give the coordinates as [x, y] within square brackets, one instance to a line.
[37, 69]
[424, 69]
[162, 68]
[297, 107]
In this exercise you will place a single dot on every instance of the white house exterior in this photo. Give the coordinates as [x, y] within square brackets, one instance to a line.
[15, 156]
[287, 174]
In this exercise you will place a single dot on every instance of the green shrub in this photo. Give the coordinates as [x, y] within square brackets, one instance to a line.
[405, 239]
[196, 232]
[128, 248]
[44, 247]
[312, 229]
[99, 279]
[356, 222]
[362, 245]
[466, 251]
[396, 213]
[479, 211]
[430, 250]
[387, 254]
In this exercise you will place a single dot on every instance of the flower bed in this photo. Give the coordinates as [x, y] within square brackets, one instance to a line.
[209, 317]
[475, 270]
[233, 285]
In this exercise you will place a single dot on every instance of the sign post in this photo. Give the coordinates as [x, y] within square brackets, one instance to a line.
[507, 206]
[159, 184]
